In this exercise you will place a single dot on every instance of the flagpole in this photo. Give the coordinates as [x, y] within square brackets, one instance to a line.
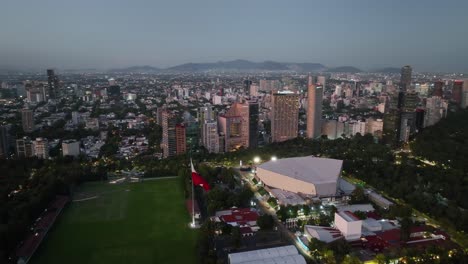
[193, 203]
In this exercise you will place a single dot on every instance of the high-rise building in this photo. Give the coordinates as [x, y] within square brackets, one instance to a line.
[53, 83]
[205, 113]
[438, 89]
[24, 147]
[399, 121]
[231, 128]
[181, 143]
[253, 123]
[168, 142]
[436, 109]
[4, 141]
[71, 148]
[323, 81]
[405, 79]
[41, 148]
[247, 84]
[27, 120]
[464, 102]
[314, 110]
[210, 138]
[457, 92]
[419, 121]
[284, 116]
[241, 110]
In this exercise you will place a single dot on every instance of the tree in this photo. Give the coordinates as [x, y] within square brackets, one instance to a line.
[328, 257]
[351, 260]
[265, 222]
[381, 259]
[236, 236]
[282, 213]
[358, 196]
[340, 248]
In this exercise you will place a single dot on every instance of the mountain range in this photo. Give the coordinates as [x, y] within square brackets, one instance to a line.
[238, 65]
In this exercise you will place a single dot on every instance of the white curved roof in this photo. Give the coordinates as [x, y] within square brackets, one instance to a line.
[309, 169]
[277, 255]
[325, 234]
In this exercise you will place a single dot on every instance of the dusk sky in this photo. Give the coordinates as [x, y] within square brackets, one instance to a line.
[430, 35]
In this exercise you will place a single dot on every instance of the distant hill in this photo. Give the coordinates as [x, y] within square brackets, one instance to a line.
[387, 70]
[245, 65]
[349, 69]
[137, 69]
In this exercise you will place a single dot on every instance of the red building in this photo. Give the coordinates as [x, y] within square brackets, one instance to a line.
[181, 143]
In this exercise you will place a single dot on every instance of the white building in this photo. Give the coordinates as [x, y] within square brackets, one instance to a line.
[217, 100]
[277, 255]
[349, 225]
[41, 148]
[210, 138]
[71, 148]
[307, 175]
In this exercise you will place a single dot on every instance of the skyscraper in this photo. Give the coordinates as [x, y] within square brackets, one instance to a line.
[53, 83]
[210, 139]
[247, 84]
[27, 120]
[457, 92]
[4, 141]
[24, 147]
[322, 80]
[181, 144]
[464, 102]
[41, 148]
[253, 124]
[240, 110]
[284, 116]
[168, 142]
[438, 85]
[314, 110]
[405, 79]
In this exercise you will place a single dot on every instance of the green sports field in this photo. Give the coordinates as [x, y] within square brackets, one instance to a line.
[128, 223]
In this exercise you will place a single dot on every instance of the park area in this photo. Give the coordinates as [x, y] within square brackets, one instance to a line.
[142, 222]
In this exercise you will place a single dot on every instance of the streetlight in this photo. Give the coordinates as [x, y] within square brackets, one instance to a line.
[256, 160]
[273, 158]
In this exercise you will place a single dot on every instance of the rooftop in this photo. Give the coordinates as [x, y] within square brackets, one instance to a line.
[309, 169]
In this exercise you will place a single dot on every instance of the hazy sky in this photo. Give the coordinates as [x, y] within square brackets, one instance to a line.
[427, 34]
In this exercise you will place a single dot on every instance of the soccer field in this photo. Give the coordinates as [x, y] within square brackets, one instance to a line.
[129, 223]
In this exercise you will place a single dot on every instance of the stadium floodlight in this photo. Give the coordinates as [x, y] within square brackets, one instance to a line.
[273, 158]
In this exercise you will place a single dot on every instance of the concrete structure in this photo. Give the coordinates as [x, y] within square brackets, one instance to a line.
[307, 175]
[464, 102]
[70, 148]
[41, 148]
[4, 141]
[287, 198]
[349, 225]
[168, 141]
[210, 139]
[322, 233]
[277, 255]
[436, 109]
[181, 142]
[27, 120]
[314, 110]
[457, 92]
[284, 116]
[231, 128]
[24, 147]
[53, 84]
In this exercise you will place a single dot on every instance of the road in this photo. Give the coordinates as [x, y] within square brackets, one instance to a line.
[267, 209]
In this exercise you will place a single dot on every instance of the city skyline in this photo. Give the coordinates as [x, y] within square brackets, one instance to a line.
[364, 34]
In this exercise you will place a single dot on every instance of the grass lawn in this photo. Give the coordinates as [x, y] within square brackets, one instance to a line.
[129, 223]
